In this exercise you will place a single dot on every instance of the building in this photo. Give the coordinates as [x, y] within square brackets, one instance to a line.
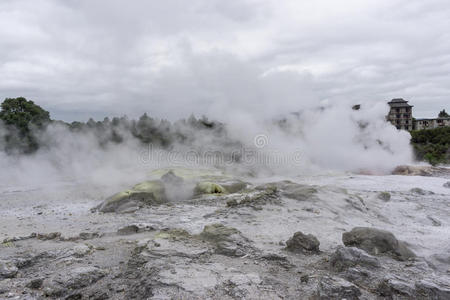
[400, 114]
[431, 123]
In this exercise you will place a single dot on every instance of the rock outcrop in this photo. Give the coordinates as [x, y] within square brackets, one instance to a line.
[376, 242]
[172, 186]
[144, 193]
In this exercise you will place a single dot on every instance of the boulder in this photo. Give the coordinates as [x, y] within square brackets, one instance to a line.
[346, 257]
[447, 184]
[144, 193]
[376, 241]
[302, 243]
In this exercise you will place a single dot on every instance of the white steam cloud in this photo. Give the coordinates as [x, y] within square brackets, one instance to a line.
[326, 137]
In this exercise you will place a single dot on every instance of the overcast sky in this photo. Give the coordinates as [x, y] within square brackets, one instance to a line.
[171, 58]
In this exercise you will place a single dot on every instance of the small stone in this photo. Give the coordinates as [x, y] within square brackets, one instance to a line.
[385, 196]
[88, 235]
[303, 243]
[420, 191]
[35, 283]
[8, 269]
[434, 221]
[446, 185]
[81, 250]
[130, 229]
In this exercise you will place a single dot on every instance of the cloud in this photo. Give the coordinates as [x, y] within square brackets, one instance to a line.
[94, 58]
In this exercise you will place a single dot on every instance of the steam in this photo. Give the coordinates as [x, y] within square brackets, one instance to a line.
[326, 137]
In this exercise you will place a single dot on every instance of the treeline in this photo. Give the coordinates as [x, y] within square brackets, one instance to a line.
[432, 145]
[24, 123]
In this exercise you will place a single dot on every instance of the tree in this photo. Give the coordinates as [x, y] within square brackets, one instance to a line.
[21, 117]
[21, 113]
[443, 114]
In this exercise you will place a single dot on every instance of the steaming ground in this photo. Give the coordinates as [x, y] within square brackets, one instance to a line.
[183, 270]
[227, 244]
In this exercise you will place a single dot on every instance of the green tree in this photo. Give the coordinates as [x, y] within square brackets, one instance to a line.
[21, 117]
[443, 114]
[22, 113]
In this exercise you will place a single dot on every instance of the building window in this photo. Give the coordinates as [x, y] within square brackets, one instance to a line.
[397, 109]
[398, 116]
[407, 121]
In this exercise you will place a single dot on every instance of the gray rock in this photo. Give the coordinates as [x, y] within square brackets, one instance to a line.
[73, 279]
[129, 229]
[390, 287]
[88, 235]
[447, 184]
[346, 257]
[226, 240]
[336, 288]
[376, 241]
[434, 221]
[302, 243]
[8, 269]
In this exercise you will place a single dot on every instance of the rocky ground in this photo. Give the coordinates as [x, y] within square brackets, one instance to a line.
[206, 235]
